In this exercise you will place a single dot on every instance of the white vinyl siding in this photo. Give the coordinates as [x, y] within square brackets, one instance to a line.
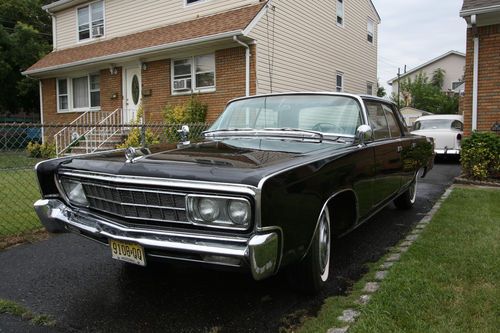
[123, 17]
[302, 63]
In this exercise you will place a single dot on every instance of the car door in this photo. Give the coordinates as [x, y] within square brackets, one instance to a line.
[407, 143]
[387, 151]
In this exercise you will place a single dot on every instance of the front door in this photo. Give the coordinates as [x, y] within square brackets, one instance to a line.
[132, 92]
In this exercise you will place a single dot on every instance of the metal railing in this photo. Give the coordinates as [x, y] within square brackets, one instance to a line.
[69, 135]
[104, 134]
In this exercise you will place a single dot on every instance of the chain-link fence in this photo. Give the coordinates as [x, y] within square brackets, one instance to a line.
[22, 146]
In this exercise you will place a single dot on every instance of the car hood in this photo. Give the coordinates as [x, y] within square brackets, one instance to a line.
[244, 160]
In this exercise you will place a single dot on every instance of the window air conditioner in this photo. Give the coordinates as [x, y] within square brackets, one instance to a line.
[98, 31]
[182, 84]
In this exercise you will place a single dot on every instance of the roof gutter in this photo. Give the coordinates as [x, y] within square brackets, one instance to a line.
[478, 11]
[137, 52]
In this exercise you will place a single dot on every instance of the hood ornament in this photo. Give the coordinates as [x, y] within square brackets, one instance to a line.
[134, 154]
[130, 154]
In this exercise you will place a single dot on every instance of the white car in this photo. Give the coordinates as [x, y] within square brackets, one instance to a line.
[445, 129]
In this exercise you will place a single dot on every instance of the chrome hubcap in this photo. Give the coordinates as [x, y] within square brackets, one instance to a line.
[324, 245]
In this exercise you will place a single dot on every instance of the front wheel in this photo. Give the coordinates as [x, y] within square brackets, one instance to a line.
[407, 199]
[313, 271]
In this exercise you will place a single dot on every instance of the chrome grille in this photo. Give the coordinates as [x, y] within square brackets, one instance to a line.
[138, 204]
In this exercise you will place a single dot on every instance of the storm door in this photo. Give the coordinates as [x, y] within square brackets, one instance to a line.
[132, 92]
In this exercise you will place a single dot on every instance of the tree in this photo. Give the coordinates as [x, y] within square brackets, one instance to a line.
[25, 37]
[424, 95]
[438, 78]
[381, 91]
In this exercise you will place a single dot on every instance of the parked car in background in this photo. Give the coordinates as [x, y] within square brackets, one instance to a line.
[275, 180]
[446, 130]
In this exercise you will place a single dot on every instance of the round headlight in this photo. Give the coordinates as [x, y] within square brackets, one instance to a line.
[208, 209]
[239, 211]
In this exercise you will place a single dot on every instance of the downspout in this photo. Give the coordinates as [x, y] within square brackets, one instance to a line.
[247, 64]
[475, 70]
[41, 110]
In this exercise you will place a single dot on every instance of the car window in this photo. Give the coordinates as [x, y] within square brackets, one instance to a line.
[457, 125]
[377, 120]
[392, 122]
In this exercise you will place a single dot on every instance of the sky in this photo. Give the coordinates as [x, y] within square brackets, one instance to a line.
[413, 32]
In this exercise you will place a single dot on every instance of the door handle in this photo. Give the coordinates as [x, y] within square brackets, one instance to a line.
[400, 149]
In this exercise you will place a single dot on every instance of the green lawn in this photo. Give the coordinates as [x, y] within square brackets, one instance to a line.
[18, 192]
[448, 281]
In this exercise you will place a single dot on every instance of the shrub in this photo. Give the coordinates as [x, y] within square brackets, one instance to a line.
[480, 156]
[193, 111]
[134, 136]
[44, 150]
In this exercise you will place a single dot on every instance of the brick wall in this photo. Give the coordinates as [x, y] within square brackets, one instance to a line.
[230, 83]
[488, 110]
[111, 90]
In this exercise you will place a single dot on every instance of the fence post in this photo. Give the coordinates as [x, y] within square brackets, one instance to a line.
[143, 133]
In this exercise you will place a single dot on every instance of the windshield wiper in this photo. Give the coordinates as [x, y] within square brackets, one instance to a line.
[227, 130]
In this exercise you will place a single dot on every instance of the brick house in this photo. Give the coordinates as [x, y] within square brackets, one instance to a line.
[481, 102]
[110, 56]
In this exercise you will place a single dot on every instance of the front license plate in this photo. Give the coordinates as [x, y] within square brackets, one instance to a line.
[129, 252]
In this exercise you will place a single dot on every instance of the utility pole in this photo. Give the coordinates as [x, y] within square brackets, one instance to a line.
[399, 83]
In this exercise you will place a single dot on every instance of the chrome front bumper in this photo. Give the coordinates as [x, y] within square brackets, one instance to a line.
[259, 252]
[446, 151]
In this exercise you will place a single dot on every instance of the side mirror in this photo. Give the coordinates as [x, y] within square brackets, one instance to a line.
[364, 133]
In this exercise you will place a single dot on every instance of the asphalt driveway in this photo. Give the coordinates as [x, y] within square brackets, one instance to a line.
[76, 281]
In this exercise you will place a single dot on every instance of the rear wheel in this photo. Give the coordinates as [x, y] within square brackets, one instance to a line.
[407, 199]
[313, 271]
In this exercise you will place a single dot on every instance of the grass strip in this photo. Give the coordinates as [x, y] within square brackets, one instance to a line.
[447, 281]
[14, 309]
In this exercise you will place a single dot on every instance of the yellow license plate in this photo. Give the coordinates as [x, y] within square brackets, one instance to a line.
[129, 252]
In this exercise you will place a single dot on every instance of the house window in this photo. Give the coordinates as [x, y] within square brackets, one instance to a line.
[79, 93]
[340, 12]
[340, 82]
[62, 95]
[371, 30]
[369, 88]
[194, 74]
[91, 21]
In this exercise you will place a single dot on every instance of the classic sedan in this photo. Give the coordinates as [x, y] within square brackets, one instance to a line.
[446, 130]
[276, 179]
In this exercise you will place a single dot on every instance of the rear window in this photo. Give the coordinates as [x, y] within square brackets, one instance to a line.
[438, 124]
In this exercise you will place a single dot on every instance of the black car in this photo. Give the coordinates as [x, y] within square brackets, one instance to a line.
[275, 180]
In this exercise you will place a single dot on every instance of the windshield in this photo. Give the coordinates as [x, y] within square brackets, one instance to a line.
[438, 124]
[336, 115]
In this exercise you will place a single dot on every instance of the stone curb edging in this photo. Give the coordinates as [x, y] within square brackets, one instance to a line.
[349, 316]
[467, 181]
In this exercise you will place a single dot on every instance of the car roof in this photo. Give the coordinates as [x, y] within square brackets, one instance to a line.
[442, 116]
[327, 93]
